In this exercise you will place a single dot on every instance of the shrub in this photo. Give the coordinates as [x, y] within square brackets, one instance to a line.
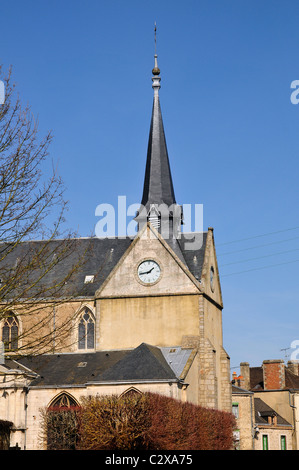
[60, 428]
[114, 423]
[185, 426]
[152, 422]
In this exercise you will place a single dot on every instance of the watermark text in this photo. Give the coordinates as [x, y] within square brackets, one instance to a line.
[124, 220]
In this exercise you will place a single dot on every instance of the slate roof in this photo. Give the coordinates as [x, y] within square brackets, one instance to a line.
[81, 257]
[94, 256]
[240, 391]
[262, 411]
[194, 258]
[257, 383]
[69, 369]
[256, 378]
[177, 358]
[141, 364]
[292, 380]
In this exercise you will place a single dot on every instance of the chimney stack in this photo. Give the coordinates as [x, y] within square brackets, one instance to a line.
[273, 374]
[245, 372]
[238, 381]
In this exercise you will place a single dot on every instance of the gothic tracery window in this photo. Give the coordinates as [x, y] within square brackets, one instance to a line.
[86, 330]
[131, 392]
[62, 423]
[10, 333]
[63, 401]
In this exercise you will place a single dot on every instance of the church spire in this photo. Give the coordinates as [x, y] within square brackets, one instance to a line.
[158, 186]
[158, 205]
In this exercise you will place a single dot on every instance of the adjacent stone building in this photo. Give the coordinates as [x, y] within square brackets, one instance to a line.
[243, 410]
[274, 391]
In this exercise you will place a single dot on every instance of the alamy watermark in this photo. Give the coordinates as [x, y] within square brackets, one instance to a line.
[294, 356]
[2, 92]
[294, 95]
[125, 221]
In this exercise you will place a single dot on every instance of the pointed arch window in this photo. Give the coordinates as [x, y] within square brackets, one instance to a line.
[62, 423]
[63, 401]
[131, 393]
[86, 330]
[10, 333]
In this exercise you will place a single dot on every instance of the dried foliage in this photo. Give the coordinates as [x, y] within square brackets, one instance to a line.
[60, 428]
[137, 422]
[152, 422]
[184, 426]
[111, 422]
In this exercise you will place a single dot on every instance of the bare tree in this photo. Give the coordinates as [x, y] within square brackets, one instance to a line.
[32, 207]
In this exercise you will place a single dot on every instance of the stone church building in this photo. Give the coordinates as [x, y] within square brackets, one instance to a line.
[144, 314]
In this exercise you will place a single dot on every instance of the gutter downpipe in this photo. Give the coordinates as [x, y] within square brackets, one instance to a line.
[26, 407]
[252, 421]
[294, 417]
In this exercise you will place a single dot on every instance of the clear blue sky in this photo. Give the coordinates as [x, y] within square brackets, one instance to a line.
[231, 129]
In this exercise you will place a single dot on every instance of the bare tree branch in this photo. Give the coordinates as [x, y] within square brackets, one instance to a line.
[32, 207]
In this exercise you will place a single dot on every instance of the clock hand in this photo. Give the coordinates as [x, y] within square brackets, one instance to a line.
[147, 272]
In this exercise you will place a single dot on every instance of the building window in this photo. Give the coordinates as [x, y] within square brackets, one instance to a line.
[131, 392]
[265, 441]
[63, 401]
[10, 333]
[236, 410]
[62, 423]
[283, 443]
[236, 439]
[86, 330]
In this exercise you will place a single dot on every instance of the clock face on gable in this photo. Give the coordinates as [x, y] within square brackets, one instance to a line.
[149, 271]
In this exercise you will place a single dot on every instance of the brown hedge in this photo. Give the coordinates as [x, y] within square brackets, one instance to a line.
[152, 422]
[112, 422]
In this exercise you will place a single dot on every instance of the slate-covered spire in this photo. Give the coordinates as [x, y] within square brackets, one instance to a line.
[158, 185]
[158, 204]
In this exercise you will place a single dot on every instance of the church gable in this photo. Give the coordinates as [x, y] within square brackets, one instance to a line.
[148, 268]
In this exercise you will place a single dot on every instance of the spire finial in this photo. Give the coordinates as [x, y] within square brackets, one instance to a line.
[156, 70]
